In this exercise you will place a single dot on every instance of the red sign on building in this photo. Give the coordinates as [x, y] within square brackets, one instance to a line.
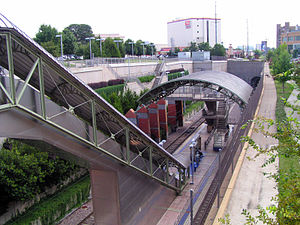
[188, 24]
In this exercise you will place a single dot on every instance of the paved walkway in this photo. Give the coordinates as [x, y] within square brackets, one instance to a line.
[252, 188]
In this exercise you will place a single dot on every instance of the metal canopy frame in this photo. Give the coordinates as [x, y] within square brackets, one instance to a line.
[225, 83]
[36, 69]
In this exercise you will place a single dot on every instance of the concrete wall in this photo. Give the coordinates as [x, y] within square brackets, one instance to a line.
[93, 74]
[219, 66]
[245, 70]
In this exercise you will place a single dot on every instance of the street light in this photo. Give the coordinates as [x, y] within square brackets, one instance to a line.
[90, 39]
[131, 43]
[100, 39]
[118, 41]
[151, 45]
[61, 45]
[143, 47]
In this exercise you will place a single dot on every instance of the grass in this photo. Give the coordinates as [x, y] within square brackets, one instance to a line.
[193, 106]
[145, 79]
[285, 163]
[280, 113]
[53, 208]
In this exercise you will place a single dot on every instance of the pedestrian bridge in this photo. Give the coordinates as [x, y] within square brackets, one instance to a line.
[195, 85]
[41, 100]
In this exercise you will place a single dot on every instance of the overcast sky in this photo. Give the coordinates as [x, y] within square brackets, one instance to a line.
[147, 20]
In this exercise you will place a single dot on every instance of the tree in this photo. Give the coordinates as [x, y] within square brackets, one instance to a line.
[283, 77]
[257, 53]
[295, 53]
[46, 37]
[81, 31]
[150, 48]
[270, 55]
[138, 48]
[218, 50]
[281, 60]
[69, 42]
[110, 48]
[193, 47]
[128, 47]
[204, 46]
[46, 33]
[120, 46]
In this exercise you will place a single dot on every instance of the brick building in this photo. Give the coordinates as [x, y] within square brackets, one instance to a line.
[289, 35]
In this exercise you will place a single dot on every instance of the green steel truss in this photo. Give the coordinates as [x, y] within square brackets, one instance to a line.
[62, 98]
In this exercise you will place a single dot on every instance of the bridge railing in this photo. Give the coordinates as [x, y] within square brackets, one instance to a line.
[60, 101]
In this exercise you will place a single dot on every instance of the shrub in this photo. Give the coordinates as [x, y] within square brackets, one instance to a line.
[146, 79]
[52, 209]
[25, 171]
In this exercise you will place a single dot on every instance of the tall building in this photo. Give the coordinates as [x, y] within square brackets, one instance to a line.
[184, 31]
[289, 35]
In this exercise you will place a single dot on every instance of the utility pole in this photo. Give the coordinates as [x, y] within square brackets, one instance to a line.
[216, 26]
[247, 38]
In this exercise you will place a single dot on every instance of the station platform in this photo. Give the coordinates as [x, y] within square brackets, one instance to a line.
[178, 212]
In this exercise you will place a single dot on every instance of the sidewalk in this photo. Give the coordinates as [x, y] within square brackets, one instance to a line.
[252, 188]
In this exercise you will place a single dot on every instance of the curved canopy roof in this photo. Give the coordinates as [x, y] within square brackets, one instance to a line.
[225, 83]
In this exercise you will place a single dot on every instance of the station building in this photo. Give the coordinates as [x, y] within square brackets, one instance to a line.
[184, 31]
[289, 35]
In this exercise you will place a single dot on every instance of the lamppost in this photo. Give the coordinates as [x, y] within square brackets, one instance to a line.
[61, 45]
[143, 43]
[118, 41]
[192, 161]
[100, 39]
[90, 39]
[151, 45]
[131, 43]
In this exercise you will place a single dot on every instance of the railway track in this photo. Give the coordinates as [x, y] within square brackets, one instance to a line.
[183, 135]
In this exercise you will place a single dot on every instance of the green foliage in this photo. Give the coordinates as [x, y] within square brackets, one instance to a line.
[25, 171]
[51, 47]
[282, 95]
[257, 53]
[110, 48]
[281, 60]
[52, 209]
[138, 48]
[204, 46]
[146, 79]
[172, 76]
[81, 31]
[120, 99]
[106, 91]
[218, 50]
[193, 106]
[69, 42]
[46, 33]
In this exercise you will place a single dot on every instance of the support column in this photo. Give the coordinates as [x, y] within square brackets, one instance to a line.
[105, 194]
[163, 123]
[154, 122]
[179, 113]
[143, 120]
[172, 115]
[130, 115]
[211, 111]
